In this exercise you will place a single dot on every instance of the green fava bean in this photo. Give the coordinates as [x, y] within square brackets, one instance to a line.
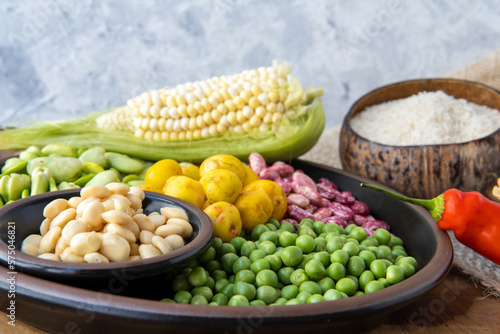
[62, 168]
[26, 155]
[95, 155]
[103, 178]
[14, 165]
[83, 180]
[92, 168]
[67, 185]
[123, 163]
[59, 149]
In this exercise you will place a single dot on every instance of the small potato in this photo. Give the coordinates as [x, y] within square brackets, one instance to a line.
[118, 188]
[226, 220]
[146, 237]
[72, 228]
[221, 185]
[144, 222]
[85, 242]
[95, 258]
[63, 218]
[121, 231]
[69, 256]
[185, 188]
[175, 241]
[49, 240]
[116, 217]
[162, 244]
[114, 247]
[55, 207]
[173, 212]
[92, 214]
[100, 192]
[187, 229]
[146, 251]
[73, 202]
[255, 208]
[165, 230]
[50, 256]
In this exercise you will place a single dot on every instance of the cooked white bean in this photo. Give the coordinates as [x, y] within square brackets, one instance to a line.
[61, 245]
[175, 241]
[144, 222]
[55, 207]
[146, 237]
[134, 258]
[92, 214]
[63, 218]
[33, 239]
[108, 204]
[123, 198]
[30, 249]
[148, 250]
[121, 231]
[44, 226]
[83, 204]
[187, 229]
[50, 256]
[85, 242]
[165, 230]
[73, 202]
[134, 249]
[72, 228]
[95, 191]
[136, 201]
[138, 192]
[49, 240]
[157, 219]
[114, 247]
[69, 256]
[173, 212]
[118, 188]
[133, 227]
[95, 258]
[120, 205]
[116, 217]
[162, 244]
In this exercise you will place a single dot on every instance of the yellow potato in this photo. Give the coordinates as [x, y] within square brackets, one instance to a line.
[161, 171]
[223, 161]
[250, 175]
[255, 208]
[221, 185]
[226, 220]
[190, 170]
[185, 188]
[275, 193]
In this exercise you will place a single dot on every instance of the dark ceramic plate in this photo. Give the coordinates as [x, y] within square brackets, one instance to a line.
[25, 216]
[57, 307]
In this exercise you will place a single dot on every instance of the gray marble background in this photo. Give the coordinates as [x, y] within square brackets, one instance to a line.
[61, 58]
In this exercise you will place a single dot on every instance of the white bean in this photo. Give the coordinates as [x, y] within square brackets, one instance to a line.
[157, 219]
[123, 198]
[72, 228]
[73, 202]
[50, 256]
[162, 244]
[134, 258]
[120, 205]
[144, 222]
[146, 237]
[138, 192]
[175, 241]
[118, 188]
[29, 249]
[136, 201]
[55, 207]
[116, 217]
[44, 226]
[49, 240]
[83, 204]
[108, 204]
[134, 249]
[33, 239]
[165, 230]
[148, 250]
[92, 214]
[121, 231]
[187, 229]
[95, 258]
[61, 245]
[173, 212]
[95, 191]
[69, 256]
[133, 227]
[63, 218]
[114, 247]
[85, 242]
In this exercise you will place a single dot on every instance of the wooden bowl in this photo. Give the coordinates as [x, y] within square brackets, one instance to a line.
[424, 171]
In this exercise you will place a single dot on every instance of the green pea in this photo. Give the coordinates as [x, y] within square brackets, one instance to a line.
[287, 239]
[208, 255]
[305, 243]
[340, 256]
[241, 264]
[267, 294]
[351, 248]
[358, 233]
[355, 265]
[395, 274]
[303, 296]
[266, 277]
[350, 227]
[378, 268]
[269, 236]
[334, 243]
[336, 271]
[217, 243]
[305, 258]
[245, 289]
[364, 278]
[212, 266]
[347, 286]
[382, 235]
[385, 252]
[238, 300]
[221, 284]
[279, 301]
[167, 300]
[227, 260]
[323, 257]
[210, 283]
[374, 250]
[367, 256]
[259, 265]
[228, 290]
[326, 283]
[306, 230]
[275, 261]
[181, 283]
[332, 294]
[183, 297]
[271, 227]
[220, 299]
[316, 298]
[311, 287]
[396, 241]
[226, 248]
[257, 302]
[293, 301]
[245, 275]
[291, 256]
[290, 291]
[247, 248]
[267, 246]
[370, 241]
[237, 243]
[410, 260]
[298, 277]
[204, 291]
[384, 281]
[331, 228]
[399, 253]
[274, 222]
[320, 244]
[286, 226]
[257, 254]
[197, 277]
[358, 293]
[408, 269]
[284, 275]
[258, 230]
[306, 222]
[318, 227]
[315, 270]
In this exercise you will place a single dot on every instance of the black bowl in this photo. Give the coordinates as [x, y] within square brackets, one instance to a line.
[25, 215]
[38, 300]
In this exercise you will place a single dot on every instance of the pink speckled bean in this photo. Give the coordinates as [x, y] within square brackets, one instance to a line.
[327, 192]
[257, 162]
[282, 168]
[298, 199]
[327, 183]
[360, 208]
[335, 220]
[371, 226]
[311, 208]
[298, 213]
[322, 213]
[304, 180]
[313, 196]
[345, 197]
[269, 174]
[359, 219]
[342, 211]
[287, 186]
[325, 203]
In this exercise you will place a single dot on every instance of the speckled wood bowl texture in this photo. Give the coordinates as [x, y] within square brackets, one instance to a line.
[424, 171]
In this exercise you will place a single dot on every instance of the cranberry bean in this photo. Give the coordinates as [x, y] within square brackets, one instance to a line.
[345, 197]
[360, 208]
[359, 219]
[257, 162]
[282, 169]
[311, 208]
[304, 180]
[341, 210]
[322, 213]
[298, 213]
[269, 174]
[327, 183]
[298, 199]
[287, 186]
[371, 226]
[335, 220]
[313, 196]
[327, 192]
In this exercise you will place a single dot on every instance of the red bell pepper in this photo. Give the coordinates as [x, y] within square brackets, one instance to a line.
[474, 219]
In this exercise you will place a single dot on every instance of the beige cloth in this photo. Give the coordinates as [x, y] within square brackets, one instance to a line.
[479, 269]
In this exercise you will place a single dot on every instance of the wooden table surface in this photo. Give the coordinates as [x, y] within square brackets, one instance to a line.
[455, 306]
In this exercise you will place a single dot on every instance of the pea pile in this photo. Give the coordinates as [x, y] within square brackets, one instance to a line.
[279, 264]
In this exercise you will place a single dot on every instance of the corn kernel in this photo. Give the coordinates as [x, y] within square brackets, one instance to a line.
[282, 95]
[192, 123]
[173, 112]
[204, 132]
[207, 118]
[145, 123]
[207, 106]
[268, 118]
[199, 108]
[215, 115]
[246, 126]
[247, 112]
[161, 124]
[255, 121]
[254, 103]
[173, 136]
[223, 120]
[200, 123]
[212, 129]
[261, 112]
[230, 105]
[165, 136]
[225, 95]
[184, 123]
[170, 101]
[164, 112]
[169, 124]
[271, 107]
[280, 107]
[240, 118]
[156, 136]
[273, 83]
[182, 135]
[148, 135]
[231, 118]
[246, 95]
[144, 110]
[232, 92]
[191, 111]
[139, 133]
[198, 92]
[197, 133]
[153, 124]
[189, 135]
[221, 128]
[256, 90]
[182, 110]
[213, 101]
[273, 96]
[238, 102]
[263, 127]
[222, 109]
[276, 117]
[180, 100]
[177, 125]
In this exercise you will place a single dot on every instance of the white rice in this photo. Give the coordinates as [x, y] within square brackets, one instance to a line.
[427, 118]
